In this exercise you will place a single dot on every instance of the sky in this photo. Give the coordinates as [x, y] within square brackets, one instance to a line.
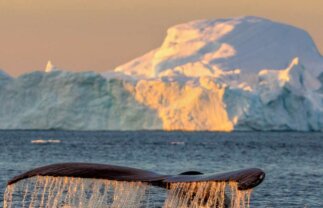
[98, 35]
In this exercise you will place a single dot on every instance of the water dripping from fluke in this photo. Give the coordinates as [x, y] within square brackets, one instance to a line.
[85, 185]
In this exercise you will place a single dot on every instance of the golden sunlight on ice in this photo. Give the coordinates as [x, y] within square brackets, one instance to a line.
[185, 107]
[49, 67]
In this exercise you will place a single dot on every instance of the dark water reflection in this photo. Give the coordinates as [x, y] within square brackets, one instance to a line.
[293, 161]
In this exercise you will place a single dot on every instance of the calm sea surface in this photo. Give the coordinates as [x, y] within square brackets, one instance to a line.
[293, 162]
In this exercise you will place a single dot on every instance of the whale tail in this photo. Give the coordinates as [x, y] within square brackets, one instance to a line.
[99, 185]
[246, 178]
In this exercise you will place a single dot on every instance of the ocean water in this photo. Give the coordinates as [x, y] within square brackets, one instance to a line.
[293, 162]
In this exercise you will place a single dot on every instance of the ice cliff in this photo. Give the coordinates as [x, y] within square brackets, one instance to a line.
[64, 100]
[245, 73]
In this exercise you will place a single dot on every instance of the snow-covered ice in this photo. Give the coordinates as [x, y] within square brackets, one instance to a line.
[245, 73]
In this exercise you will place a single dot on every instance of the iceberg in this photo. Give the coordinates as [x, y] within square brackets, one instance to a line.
[211, 47]
[4, 75]
[235, 74]
[50, 67]
[71, 101]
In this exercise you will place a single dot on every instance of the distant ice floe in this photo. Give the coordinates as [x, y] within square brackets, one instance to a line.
[177, 143]
[42, 141]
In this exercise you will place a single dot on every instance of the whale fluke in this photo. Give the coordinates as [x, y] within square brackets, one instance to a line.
[246, 179]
